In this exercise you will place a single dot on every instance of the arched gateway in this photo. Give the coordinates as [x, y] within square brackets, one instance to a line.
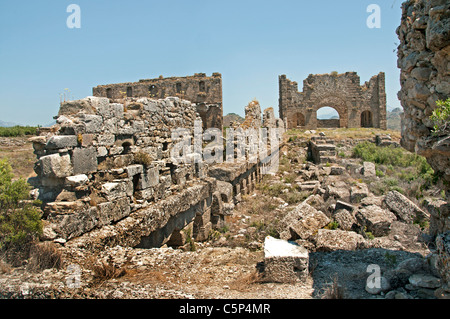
[357, 106]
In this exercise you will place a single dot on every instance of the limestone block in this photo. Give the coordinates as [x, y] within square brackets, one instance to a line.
[73, 225]
[302, 222]
[331, 240]
[376, 219]
[106, 139]
[343, 205]
[114, 190]
[113, 211]
[284, 262]
[56, 165]
[226, 191]
[77, 180]
[112, 110]
[345, 219]
[403, 208]
[62, 141]
[368, 169]
[84, 160]
[133, 170]
[338, 190]
[149, 178]
[358, 192]
[102, 151]
[92, 122]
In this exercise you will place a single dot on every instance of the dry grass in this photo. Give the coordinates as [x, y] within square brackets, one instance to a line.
[21, 156]
[346, 133]
[103, 271]
[334, 290]
[5, 268]
[244, 282]
[44, 256]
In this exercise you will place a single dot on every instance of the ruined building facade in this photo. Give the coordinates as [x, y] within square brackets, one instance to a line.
[357, 106]
[205, 92]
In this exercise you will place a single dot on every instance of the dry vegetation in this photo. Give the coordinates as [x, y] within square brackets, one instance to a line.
[19, 153]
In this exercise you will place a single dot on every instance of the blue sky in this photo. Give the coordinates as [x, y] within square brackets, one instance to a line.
[251, 42]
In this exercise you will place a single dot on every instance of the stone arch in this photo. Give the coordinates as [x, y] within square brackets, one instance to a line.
[366, 119]
[296, 120]
[336, 103]
[328, 122]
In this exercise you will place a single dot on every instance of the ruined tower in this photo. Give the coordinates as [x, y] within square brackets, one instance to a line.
[357, 106]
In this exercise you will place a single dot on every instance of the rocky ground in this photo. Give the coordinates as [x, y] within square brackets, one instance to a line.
[353, 234]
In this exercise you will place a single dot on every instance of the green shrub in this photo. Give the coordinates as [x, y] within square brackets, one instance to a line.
[441, 118]
[20, 221]
[17, 131]
[413, 165]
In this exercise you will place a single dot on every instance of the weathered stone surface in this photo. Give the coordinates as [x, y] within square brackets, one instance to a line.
[403, 208]
[84, 160]
[338, 190]
[93, 123]
[443, 252]
[368, 169]
[56, 165]
[345, 219]
[423, 57]
[331, 240]
[113, 211]
[62, 141]
[439, 211]
[358, 192]
[149, 178]
[376, 219]
[77, 180]
[284, 262]
[303, 222]
[343, 205]
[424, 281]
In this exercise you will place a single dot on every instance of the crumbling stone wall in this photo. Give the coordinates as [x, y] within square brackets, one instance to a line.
[424, 60]
[107, 176]
[358, 106]
[204, 91]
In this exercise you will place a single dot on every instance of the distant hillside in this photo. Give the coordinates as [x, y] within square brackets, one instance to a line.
[7, 124]
[393, 119]
[232, 117]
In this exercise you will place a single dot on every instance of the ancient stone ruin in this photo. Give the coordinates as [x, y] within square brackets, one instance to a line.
[357, 106]
[204, 91]
[424, 60]
[107, 175]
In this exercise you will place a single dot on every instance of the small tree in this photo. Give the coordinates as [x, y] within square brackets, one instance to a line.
[20, 220]
[441, 118]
